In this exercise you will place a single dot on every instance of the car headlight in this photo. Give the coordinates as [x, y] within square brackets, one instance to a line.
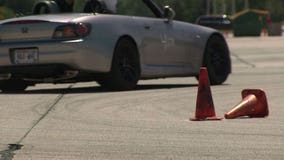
[72, 31]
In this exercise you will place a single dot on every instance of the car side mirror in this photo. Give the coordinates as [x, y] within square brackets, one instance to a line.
[169, 14]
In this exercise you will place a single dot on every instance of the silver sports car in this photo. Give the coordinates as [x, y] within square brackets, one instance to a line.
[116, 50]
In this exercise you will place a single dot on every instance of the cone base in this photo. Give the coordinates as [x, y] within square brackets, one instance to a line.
[206, 119]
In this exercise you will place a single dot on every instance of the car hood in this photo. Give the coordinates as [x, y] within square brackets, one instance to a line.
[61, 18]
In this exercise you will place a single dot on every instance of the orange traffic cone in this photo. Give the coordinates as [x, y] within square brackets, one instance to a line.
[204, 104]
[254, 104]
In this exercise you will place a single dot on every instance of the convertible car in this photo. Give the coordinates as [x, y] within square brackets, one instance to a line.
[116, 50]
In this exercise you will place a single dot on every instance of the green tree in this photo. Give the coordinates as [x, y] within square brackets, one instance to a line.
[276, 9]
[6, 13]
[186, 10]
[20, 6]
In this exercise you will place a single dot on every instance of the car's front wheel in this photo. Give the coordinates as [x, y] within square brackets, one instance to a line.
[13, 85]
[217, 60]
[125, 70]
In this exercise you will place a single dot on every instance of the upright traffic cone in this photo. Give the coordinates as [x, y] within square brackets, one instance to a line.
[204, 104]
[254, 104]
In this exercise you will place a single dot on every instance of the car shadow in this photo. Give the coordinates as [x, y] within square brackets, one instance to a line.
[98, 89]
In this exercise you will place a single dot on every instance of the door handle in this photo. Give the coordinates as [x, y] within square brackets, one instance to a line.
[147, 27]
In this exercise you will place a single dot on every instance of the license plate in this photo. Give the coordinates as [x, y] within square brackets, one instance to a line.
[25, 56]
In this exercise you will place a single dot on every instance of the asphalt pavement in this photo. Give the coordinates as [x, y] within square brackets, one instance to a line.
[82, 121]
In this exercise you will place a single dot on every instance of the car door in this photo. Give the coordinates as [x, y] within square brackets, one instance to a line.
[175, 44]
[154, 42]
[164, 46]
[181, 48]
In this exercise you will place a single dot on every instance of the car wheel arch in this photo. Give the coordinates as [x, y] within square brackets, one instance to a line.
[227, 47]
[130, 38]
[221, 45]
[125, 69]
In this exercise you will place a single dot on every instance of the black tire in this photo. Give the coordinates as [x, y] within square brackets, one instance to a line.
[217, 60]
[7, 86]
[125, 69]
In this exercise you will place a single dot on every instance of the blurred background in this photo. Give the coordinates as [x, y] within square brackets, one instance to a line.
[268, 11]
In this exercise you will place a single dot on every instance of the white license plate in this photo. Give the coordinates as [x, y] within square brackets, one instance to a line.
[25, 56]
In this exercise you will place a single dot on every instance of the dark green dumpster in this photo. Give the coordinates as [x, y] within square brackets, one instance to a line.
[249, 22]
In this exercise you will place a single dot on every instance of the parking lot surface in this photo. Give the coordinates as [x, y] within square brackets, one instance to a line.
[82, 121]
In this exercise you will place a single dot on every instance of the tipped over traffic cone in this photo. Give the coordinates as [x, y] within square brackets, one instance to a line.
[253, 105]
[204, 104]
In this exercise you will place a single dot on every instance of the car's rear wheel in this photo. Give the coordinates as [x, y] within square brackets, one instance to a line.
[217, 60]
[125, 70]
[13, 85]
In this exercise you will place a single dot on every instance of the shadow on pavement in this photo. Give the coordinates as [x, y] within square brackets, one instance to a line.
[77, 90]
[8, 154]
